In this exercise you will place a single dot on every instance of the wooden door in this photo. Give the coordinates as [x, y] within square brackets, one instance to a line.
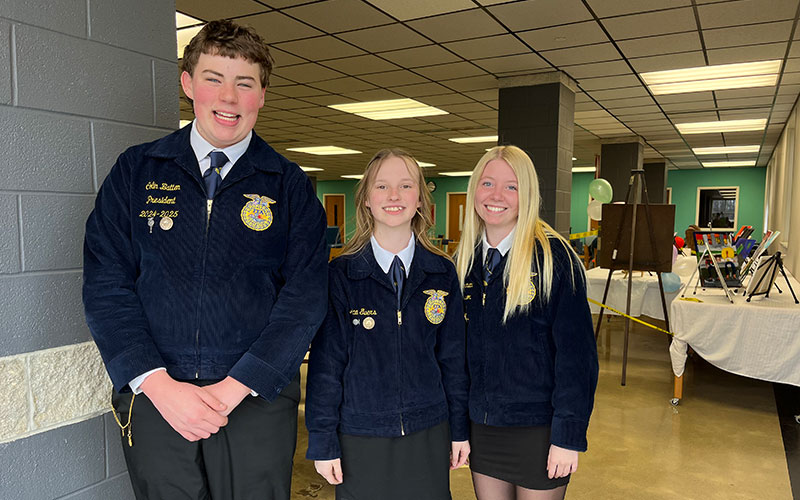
[334, 209]
[456, 211]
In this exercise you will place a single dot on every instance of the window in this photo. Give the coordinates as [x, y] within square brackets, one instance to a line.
[717, 207]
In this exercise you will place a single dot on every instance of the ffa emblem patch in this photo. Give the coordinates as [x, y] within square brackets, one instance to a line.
[256, 213]
[531, 290]
[435, 306]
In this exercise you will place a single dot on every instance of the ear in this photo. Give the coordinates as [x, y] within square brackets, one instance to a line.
[186, 85]
[263, 92]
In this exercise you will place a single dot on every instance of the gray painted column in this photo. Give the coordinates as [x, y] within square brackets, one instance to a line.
[655, 174]
[617, 158]
[536, 113]
[80, 81]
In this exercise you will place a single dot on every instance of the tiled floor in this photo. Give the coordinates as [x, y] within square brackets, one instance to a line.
[722, 442]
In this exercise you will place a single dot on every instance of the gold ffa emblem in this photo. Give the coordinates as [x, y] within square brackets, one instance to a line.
[369, 323]
[256, 213]
[531, 290]
[435, 306]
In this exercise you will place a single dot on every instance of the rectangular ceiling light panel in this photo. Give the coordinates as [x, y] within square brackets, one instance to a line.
[726, 150]
[718, 77]
[722, 126]
[325, 150]
[471, 140]
[391, 109]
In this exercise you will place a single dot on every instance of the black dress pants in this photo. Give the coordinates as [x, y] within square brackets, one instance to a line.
[249, 458]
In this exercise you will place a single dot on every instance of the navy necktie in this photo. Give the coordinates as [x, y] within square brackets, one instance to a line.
[212, 176]
[493, 258]
[398, 274]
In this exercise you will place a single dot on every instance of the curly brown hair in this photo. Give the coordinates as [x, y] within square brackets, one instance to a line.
[228, 39]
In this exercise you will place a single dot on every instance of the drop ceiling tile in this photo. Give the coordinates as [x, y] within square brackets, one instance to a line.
[661, 44]
[581, 55]
[296, 91]
[651, 23]
[472, 83]
[412, 10]
[458, 26]
[611, 68]
[371, 95]
[520, 62]
[626, 93]
[568, 35]
[739, 93]
[688, 106]
[212, 9]
[393, 78]
[276, 27]
[450, 71]
[305, 73]
[669, 61]
[320, 48]
[360, 65]
[330, 15]
[381, 38]
[608, 8]
[283, 59]
[745, 12]
[747, 35]
[346, 84]
[530, 14]
[746, 54]
[490, 46]
[420, 56]
[706, 97]
[421, 90]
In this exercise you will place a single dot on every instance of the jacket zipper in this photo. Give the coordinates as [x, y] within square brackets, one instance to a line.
[209, 204]
[402, 428]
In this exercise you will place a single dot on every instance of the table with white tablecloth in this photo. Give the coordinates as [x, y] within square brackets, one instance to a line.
[758, 339]
[645, 296]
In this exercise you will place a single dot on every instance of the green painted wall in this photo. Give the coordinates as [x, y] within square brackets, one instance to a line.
[751, 182]
[578, 219]
[684, 184]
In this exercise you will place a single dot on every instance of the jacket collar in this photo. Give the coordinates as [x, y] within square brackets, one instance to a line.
[176, 146]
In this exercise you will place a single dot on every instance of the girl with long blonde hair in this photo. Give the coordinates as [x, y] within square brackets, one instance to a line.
[386, 404]
[530, 347]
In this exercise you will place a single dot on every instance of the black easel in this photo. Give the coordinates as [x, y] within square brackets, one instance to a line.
[637, 177]
[773, 264]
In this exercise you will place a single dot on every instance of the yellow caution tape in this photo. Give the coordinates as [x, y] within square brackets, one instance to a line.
[654, 327]
[577, 236]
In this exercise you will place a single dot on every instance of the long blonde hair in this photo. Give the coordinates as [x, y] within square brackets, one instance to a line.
[530, 231]
[365, 224]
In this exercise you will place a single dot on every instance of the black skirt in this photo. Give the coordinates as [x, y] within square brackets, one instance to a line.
[414, 467]
[517, 455]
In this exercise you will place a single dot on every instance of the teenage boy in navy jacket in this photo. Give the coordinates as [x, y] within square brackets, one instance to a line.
[204, 283]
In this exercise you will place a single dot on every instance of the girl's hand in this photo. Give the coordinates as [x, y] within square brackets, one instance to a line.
[459, 454]
[561, 462]
[331, 470]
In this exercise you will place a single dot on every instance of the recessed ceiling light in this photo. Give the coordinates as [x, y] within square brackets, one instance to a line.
[722, 126]
[718, 77]
[352, 176]
[390, 109]
[310, 169]
[465, 173]
[576, 170]
[726, 150]
[573, 158]
[470, 140]
[750, 163]
[325, 150]
[424, 164]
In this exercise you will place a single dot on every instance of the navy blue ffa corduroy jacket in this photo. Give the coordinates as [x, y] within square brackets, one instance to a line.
[539, 368]
[239, 293]
[374, 372]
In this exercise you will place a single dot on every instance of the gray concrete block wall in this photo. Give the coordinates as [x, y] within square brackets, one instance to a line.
[80, 81]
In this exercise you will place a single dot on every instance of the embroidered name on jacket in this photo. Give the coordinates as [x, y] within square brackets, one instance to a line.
[256, 213]
[435, 307]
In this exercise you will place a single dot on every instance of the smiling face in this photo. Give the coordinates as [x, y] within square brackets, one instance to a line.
[227, 94]
[393, 195]
[497, 199]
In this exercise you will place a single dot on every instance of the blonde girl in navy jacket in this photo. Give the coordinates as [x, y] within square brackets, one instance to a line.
[531, 352]
[386, 405]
